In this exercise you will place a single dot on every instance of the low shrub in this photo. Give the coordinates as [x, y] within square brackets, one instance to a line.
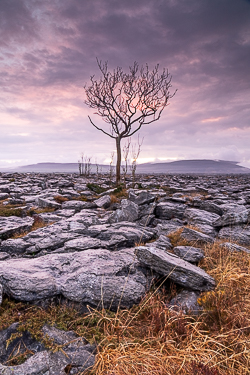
[60, 199]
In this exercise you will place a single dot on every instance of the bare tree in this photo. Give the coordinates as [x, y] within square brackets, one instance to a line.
[126, 101]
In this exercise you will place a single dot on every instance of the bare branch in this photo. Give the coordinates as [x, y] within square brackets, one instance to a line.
[100, 128]
[127, 101]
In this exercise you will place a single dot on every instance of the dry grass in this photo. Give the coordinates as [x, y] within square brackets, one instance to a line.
[151, 339]
[37, 224]
[175, 238]
[120, 192]
[60, 199]
[114, 199]
[10, 210]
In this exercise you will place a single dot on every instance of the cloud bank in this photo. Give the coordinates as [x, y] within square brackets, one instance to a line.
[48, 51]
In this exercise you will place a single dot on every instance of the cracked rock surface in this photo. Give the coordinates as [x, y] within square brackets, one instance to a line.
[73, 238]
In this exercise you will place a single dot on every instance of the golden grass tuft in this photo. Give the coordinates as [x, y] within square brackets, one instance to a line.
[175, 238]
[114, 199]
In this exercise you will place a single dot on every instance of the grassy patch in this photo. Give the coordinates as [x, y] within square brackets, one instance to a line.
[95, 188]
[60, 199]
[37, 224]
[10, 210]
[120, 192]
[176, 240]
[82, 198]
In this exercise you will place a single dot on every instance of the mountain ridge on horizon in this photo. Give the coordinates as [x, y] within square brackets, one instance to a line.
[203, 166]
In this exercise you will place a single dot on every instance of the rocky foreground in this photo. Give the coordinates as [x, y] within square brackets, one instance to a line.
[77, 239]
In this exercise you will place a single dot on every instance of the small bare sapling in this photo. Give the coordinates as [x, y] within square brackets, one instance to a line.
[136, 149]
[84, 165]
[111, 168]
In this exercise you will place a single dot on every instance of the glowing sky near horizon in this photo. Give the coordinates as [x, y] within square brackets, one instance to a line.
[48, 51]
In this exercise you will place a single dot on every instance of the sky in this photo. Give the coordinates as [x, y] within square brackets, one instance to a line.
[48, 51]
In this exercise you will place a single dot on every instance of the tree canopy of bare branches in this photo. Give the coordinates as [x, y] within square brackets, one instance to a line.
[127, 101]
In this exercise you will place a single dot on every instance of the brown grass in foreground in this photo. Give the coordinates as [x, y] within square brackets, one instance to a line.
[151, 339]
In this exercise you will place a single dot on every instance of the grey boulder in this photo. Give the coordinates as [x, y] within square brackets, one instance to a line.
[103, 202]
[234, 217]
[189, 253]
[211, 207]
[186, 302]
[163, 242]
[96, 277]
[236, 233]
[47, 203]
[168, 227]
[194, 236]
[129, 211]
[196, 216]
[77, 205]
[174, 268]
[76, 354]
[142, 197]
[169, 210]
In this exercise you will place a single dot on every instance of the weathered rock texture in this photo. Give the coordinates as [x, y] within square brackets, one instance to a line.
[95, 277]
[174, 268]
[77, 354]
[90, 249]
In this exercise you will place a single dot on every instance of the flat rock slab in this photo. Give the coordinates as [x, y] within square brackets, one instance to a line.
[174, 268]
[196, 216]
[13, 225]
[168, 210]
[196, 237]
[57, 235]
[235, 217]
[141, 197]
[233, 247]
[236, 233]
[211, 207]
[189, 253]
[96, 277]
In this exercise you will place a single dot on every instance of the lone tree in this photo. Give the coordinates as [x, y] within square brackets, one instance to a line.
[126, 101]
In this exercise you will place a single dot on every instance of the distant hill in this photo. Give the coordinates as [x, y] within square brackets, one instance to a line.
[175, 167]
[195, 166]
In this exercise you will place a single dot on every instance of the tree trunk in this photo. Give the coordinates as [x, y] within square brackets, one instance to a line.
[119, 159]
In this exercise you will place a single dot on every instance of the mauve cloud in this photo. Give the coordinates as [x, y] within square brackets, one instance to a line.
[49, 50]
